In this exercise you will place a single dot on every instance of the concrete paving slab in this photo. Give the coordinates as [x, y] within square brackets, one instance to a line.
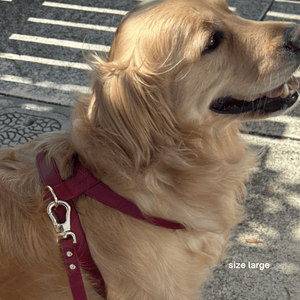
[287, 125]
[287, 11]
[253, 10]
[273, 219]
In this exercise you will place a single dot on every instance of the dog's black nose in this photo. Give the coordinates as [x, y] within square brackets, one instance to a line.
[292, 38]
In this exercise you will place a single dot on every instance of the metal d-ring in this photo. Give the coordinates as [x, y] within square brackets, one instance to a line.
[53, 194]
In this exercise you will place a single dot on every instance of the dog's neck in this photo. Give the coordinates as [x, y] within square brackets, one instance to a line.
[189, 177]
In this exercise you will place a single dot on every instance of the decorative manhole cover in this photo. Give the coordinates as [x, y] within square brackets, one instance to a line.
[20, 128]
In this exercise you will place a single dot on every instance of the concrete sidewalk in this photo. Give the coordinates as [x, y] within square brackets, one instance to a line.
[41, 66]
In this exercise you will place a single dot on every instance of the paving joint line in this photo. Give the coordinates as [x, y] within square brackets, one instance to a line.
[265, 11]
[277, 137]
[36, 100]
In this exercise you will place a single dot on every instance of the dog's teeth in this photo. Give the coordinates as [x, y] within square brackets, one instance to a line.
[276, 92]
[293, 83]
[285, 91]
[292, 92]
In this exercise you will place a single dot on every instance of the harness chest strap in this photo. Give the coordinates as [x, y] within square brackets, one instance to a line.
[78, 254]
[74, 255]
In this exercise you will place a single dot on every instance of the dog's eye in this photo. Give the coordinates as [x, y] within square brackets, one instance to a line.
[215, 41]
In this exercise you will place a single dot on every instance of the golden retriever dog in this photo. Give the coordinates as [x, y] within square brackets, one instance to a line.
[160, 128]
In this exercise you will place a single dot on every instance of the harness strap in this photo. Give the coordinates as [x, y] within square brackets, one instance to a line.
[84, 182]
[71, 262]
[49, 175]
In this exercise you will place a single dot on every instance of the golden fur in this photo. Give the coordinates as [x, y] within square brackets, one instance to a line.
[147, 132]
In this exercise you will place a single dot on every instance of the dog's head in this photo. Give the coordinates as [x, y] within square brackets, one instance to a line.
[209, 57]
[176, 62]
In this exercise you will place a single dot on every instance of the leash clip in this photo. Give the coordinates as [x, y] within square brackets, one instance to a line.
[63, 229]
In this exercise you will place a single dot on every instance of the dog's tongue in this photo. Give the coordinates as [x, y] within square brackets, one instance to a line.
[281, 91]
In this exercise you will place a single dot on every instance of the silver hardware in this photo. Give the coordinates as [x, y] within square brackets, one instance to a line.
[72, 267]
[62, 229]
[53, 194]
[69, 254]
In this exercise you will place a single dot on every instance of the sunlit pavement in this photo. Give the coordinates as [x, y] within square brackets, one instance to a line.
[42, 68]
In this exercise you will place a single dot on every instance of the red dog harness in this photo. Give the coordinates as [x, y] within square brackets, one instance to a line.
[72, 239]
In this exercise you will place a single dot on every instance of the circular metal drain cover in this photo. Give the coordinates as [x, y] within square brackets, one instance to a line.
[20, 128]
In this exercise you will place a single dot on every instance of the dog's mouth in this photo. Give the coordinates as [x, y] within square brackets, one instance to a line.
[278, 99]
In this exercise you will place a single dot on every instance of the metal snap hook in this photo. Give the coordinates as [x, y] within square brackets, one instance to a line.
[62, 229]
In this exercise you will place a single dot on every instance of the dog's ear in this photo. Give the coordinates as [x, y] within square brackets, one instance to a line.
[134, 110]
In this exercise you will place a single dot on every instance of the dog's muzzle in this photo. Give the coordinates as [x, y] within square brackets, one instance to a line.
[275, 100]
[263, 105]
